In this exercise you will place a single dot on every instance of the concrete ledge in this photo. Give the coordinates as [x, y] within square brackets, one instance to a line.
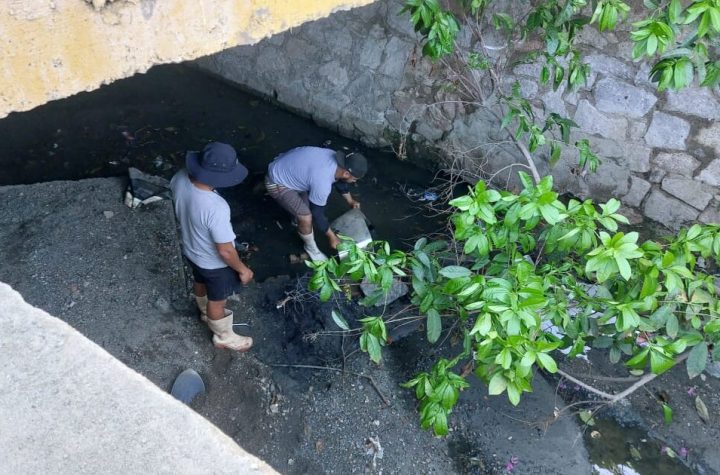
[68, 406]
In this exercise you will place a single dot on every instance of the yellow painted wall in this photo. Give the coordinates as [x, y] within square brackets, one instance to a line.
[51, 49]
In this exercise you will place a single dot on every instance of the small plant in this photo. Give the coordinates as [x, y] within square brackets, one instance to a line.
[522, 275]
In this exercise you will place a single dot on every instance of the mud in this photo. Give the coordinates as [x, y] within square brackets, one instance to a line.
[118, 278]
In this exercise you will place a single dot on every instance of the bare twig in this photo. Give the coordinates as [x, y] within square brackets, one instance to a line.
[612, 398]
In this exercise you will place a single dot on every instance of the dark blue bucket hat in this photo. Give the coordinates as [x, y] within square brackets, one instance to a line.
[216, 166]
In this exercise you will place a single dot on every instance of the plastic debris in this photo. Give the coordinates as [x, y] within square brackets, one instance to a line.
[187, 385]
[144, 189]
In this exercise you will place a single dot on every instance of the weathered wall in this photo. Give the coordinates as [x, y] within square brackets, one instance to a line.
[361, 72]
[54, 48]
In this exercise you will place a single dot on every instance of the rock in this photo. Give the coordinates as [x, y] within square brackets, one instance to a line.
[531, 70]
[677, 163]
[619, 97]
[638, 129]
[638, 190]
[372, 50]
[162, 305]
[397, 289]
[688, 190]
[697, 101]
[335, 74]
[711, 215]
[592, 121]
[638, 157]
[395, 56]
[605, 148]
[710, 137]
[608, 66]
[711, 173]
[667, 131]
[669, 211]
[108, 214]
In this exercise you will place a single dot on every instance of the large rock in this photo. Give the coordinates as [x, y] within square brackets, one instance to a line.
[667, 131]
[711, 173]
[697, 101]
[677, 163]
[711, 215]
[670, 211]
[619, 97]
[710, 137]
[688, 190]
[608, 66]
[593, 121]
[638, 157]
[638, 190]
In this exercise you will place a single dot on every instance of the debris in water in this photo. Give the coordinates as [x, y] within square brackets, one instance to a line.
[373, 447]
[298, 258]
[595, 434]
[702, 410]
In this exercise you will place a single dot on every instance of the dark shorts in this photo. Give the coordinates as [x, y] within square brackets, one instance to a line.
[221, 283]
[294, 202]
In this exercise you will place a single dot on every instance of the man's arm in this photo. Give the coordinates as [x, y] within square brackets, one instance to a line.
[344, 190]
[229, 255]
[321, 223]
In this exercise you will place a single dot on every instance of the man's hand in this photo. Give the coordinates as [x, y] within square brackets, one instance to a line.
[351, 201]
[246, 275]
[332, 239]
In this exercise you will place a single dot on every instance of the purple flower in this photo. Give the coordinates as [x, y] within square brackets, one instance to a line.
[683, 452]
[511, 463]
[692, 391]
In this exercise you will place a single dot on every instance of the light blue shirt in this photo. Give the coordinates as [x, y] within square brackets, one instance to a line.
[308, 169]
[204, 218]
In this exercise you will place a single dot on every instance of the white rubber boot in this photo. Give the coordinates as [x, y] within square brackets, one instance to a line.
[225, 337]
[202, 306]
[311, 247]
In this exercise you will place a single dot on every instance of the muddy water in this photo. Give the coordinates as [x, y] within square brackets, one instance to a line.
[150, 120]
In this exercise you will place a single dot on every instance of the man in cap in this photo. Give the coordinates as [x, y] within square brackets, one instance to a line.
[301, 179]
[208, 237]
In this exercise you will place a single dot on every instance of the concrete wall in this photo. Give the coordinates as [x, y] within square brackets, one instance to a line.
[361, 72]
[51, 49]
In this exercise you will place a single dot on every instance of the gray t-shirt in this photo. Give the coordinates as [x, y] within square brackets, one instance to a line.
[309, 169]
[204, 218]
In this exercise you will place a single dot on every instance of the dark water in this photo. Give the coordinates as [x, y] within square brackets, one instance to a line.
[628, 451]
[150, 120]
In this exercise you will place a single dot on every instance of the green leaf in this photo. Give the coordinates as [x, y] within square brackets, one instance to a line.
[586, 417]
[513, 394]
[659, 362]
[497, 384]
[339, 320]
[667, 414]
[373, 348]
[434, 325]
[671, 327]
[547, 362]
[452, 272]
[697, 360]
[483, 324]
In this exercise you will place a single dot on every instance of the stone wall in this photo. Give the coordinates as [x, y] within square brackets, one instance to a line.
[52, 49]
[361, 73]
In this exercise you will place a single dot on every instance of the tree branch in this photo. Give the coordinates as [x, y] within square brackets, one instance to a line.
[623, 394]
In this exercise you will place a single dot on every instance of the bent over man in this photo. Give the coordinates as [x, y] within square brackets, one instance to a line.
[208, 237]
[301, 179]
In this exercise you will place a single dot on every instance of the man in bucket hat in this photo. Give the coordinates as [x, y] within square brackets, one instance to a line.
[301, 180]
[208, 237]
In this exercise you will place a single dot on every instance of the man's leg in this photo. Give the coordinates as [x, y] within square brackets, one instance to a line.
[297, 204]
[221, 283]
[199, 291]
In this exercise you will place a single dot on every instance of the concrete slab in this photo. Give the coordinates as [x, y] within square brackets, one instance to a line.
[68, 406]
